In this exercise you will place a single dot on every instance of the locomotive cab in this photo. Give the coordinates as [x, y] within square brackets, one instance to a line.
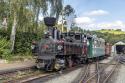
[72, 37]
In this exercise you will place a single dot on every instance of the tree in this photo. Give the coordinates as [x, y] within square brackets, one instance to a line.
[23, 15]
[15, 5]
[41, 7]
[68, 10]
[69, 15]
[56, 8]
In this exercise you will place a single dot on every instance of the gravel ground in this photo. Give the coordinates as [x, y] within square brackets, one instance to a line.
[120, 75]
[5, 66]
[68, 78]
[106, 60]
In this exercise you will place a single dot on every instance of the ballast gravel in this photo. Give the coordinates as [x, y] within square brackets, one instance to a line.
[68, 78]
[121, 75]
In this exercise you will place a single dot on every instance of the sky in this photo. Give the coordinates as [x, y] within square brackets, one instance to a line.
[99, 14]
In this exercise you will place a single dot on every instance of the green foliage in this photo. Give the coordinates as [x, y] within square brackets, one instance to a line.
[5, 48]
[115, 32]
[4, 34]
[111, 37]
[24, 41]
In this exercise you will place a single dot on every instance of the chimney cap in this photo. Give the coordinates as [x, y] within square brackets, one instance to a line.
[50, 21]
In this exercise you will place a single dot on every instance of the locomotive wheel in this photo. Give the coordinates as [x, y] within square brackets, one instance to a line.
[84, 60]
[49, 67]
[38, 66]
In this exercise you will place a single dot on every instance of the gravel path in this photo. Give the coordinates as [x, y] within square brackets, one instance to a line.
[68, 78]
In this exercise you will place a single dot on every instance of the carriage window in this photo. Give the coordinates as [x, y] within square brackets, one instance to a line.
[102, 44]
[98, 43]
[77, 37]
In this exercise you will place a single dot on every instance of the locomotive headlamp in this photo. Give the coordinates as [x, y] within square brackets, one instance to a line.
[60, 47]
[46, 32]
[33, 45]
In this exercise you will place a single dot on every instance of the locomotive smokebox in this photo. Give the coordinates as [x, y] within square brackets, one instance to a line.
[50, 21]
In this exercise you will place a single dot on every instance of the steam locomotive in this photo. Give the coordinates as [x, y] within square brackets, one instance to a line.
[64, 50]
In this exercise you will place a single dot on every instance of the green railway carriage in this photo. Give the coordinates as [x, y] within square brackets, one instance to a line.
[96, 47]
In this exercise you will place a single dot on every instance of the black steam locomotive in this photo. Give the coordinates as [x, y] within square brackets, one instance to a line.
[62, 50]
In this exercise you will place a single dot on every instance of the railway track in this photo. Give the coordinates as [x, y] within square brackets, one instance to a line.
[109, 73]
[42, 79]
[86, 73]
[92, 75]
[100, 75]
[108, 70]
[83, 74]
[10, 74]
[98, 72]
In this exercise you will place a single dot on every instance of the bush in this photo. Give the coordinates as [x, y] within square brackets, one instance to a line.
[5, 48]
[23, 41]
[5, 34]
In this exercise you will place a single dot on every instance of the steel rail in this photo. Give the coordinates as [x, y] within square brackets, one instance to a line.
[49, 76]
[110, 73]
[93, 74]
[85, 73]
[96, 73]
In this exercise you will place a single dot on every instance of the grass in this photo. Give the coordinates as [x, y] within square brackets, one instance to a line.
[112, 32]
[20, 57]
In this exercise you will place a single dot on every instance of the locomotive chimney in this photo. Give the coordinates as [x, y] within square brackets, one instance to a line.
[50, 22]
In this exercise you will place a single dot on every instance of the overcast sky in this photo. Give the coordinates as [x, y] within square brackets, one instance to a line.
[99, 14]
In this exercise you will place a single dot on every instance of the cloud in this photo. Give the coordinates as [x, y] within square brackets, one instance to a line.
[97, 13]
[113, 25]
[104, 25]
[84, 20]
